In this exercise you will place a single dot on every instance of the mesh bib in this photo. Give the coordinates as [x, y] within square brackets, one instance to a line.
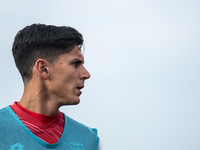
[14, 135]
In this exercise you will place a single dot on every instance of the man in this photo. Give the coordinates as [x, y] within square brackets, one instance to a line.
[50, 61]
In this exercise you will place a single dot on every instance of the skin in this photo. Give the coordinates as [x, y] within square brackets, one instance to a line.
[55, 85]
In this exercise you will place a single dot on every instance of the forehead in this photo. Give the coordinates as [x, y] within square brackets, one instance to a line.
[75, 53]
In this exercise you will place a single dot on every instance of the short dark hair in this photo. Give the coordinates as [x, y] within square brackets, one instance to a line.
[42, 41]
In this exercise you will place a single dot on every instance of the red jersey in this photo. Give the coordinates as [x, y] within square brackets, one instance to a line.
[47, 128]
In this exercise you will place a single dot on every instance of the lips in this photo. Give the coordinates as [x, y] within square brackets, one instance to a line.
[80, 87]
[79, 90]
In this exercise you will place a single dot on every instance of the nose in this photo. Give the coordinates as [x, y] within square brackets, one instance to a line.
[85, 74]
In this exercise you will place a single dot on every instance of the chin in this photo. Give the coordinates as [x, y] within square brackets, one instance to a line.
[77, 102]
[74, 102]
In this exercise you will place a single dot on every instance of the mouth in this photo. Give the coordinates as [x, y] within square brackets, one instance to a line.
[80, 87]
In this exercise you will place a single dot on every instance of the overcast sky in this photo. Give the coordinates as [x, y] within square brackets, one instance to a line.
[143, 57]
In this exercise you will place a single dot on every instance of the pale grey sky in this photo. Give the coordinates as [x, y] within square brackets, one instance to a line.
[143, 57]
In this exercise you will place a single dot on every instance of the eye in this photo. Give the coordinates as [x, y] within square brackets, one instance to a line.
[76, 64]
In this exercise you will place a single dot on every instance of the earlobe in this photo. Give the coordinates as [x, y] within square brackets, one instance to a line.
[42, 68]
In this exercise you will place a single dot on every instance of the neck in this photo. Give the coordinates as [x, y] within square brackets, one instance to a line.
[36, 99]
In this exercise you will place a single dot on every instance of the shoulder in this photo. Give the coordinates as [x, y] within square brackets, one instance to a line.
[6, 116]
[77, 131]
[4, 112]
[71, 123]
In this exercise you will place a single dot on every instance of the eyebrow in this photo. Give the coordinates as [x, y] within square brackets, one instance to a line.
[78, 59]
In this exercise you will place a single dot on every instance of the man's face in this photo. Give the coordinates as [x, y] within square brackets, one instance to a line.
[67, 77]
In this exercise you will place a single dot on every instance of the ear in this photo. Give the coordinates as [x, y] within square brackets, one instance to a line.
[42, 67]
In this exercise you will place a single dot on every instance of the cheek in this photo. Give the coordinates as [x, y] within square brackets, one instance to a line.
[65, 79]
[68, 81]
